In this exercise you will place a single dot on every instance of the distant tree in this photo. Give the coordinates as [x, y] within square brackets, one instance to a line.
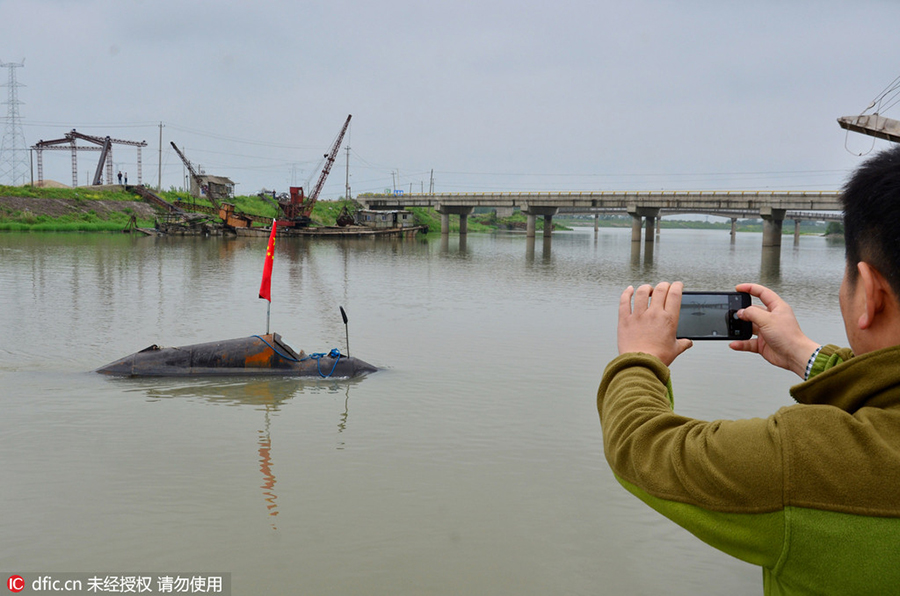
[834, 227]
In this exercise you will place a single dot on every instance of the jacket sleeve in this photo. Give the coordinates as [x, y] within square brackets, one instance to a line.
[721, 480]
[829, 356]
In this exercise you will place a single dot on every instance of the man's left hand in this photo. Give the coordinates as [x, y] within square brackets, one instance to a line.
[649, 326]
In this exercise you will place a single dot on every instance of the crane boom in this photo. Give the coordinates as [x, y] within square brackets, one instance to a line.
[873, 125]
[298, 208]
[329, 161]
[195, 175]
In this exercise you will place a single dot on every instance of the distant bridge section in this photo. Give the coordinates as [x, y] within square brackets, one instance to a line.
[771, 206]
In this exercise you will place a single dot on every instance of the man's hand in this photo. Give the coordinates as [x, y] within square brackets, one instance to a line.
[650, 326]
[778, 336]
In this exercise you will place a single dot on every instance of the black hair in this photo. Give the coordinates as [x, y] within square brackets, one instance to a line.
[871, 199]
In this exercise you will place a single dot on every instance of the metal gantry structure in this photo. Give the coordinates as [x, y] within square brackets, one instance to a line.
[101, 144]
[14, 163]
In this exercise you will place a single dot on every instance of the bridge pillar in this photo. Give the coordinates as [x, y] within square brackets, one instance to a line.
[773, 221]
[796, 232]
[596, 222]
[648, 213]
[531, 212]
[447, 210]
[649, 234]
[733, 228]
[636, 228]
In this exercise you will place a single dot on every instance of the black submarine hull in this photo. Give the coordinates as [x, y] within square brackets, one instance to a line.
[255, 355]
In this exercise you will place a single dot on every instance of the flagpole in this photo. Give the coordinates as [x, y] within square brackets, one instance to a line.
[265, 288]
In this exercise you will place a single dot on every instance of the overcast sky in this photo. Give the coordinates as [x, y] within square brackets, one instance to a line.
[489, 94]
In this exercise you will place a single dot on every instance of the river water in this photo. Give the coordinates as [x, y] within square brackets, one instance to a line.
[470, 464]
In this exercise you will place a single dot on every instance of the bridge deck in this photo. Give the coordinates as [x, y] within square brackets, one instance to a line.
[626, 200]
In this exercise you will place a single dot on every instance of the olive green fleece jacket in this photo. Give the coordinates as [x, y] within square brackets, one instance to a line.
[811, 494]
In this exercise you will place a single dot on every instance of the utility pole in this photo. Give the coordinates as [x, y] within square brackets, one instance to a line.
[159, 177]
[347, 183]
[14, 164]
[431, 184]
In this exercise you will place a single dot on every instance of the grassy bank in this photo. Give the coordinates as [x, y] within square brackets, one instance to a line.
[25, 208]
[69, 210]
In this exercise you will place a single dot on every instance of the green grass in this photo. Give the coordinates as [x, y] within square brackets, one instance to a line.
[61, 226]
[324, 213]
[85, 221]
[78, 194]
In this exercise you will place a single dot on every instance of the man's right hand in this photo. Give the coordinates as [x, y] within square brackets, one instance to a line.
[778, 336]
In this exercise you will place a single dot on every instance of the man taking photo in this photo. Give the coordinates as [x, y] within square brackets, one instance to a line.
[812, 493]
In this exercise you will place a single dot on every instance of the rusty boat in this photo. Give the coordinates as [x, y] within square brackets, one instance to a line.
[255, 355]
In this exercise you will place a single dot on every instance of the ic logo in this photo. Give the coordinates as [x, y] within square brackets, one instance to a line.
[15, 583]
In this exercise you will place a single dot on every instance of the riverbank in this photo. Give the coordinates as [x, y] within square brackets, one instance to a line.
[48, 214]
[111, 209]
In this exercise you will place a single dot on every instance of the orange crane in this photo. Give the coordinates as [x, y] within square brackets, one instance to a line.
[297, 209]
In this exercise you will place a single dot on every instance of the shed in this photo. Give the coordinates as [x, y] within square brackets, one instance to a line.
[221, 187]
[372, 218]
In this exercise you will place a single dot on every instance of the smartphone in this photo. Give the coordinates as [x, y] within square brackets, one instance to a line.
[713, 315]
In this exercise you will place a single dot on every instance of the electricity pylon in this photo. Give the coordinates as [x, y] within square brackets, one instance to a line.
[14, 162]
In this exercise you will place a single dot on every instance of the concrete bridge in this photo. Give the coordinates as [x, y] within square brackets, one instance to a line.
[645, 208]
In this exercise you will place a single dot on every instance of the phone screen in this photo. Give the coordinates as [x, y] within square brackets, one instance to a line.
[712, 315]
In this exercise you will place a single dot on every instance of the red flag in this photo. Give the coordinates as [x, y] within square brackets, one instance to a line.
[265, 289]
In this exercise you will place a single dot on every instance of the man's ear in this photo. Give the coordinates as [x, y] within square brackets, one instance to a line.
[876, 291]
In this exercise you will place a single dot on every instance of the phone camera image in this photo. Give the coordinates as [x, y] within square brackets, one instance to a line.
[713, 315]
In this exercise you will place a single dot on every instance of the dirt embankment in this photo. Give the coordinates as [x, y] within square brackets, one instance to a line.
[62, 207]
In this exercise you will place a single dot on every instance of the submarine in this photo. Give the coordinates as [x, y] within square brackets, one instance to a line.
[255, 355]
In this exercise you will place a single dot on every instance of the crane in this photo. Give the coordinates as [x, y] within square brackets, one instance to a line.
[297, 209]
[196, 176]
[226, 211]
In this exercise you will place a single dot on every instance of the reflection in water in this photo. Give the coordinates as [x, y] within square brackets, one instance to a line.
[222, 390]
[642, 268]
[265, 466]
[648, 255]
[462, 244]
[342, 425]
[271, 394]
[546, 246]
[770, 265]
[636, 255]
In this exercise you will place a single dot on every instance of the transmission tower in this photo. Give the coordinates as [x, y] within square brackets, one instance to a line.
[14, 162]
